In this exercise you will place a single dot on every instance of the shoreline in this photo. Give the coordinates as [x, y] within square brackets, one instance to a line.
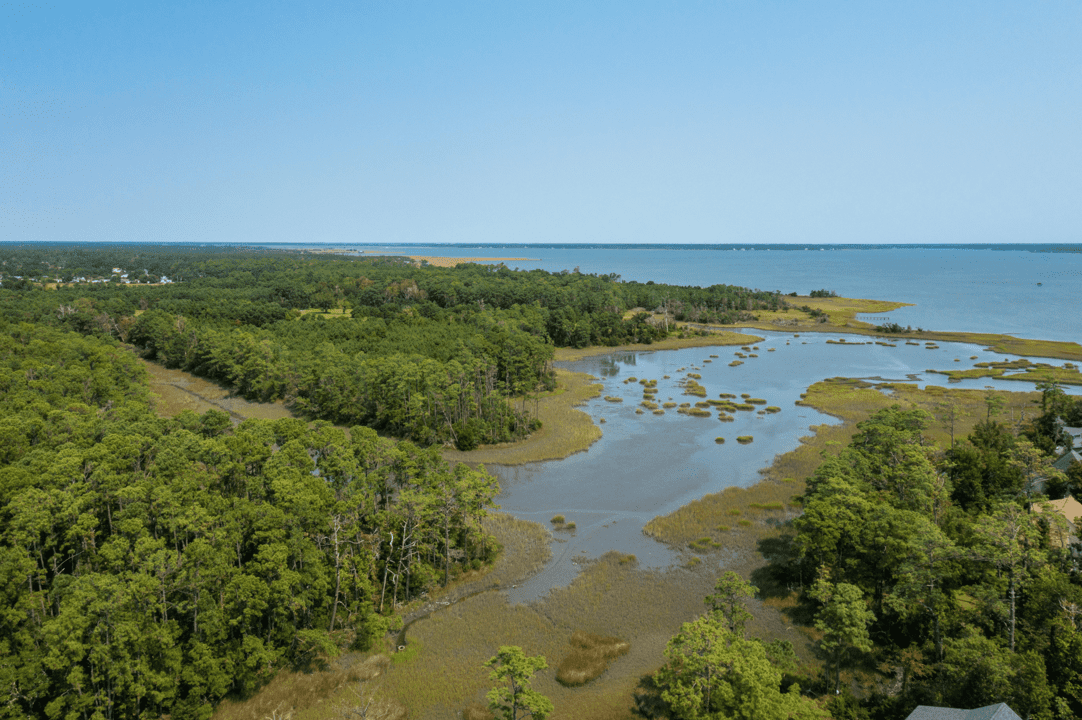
[841, 314]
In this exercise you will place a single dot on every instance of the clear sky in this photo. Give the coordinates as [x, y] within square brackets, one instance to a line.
[430, 122]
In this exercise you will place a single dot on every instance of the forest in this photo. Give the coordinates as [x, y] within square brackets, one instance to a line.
[153, 566]
[946, 565]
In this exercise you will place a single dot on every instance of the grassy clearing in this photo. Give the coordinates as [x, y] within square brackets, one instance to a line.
[564, 431]
[591, 654]
[304, 694]
[175, 391]
[717, 336]
[332, 313]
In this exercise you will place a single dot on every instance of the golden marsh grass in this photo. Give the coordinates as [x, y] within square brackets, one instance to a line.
[590, 655]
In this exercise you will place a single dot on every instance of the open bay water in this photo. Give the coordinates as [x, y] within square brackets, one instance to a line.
[966, 288]
[648, 465]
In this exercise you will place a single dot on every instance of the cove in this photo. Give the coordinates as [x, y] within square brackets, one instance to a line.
[647, 465]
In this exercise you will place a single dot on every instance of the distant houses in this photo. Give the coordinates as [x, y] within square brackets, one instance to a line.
[1063, 535]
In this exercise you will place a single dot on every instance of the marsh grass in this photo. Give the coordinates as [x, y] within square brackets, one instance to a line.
[590, 656]
[734, 363]
[668, 405]
[727, 396]
[565, 429]
[726, 418]
[772, 409]
[695, 389]
[755, 401]
[744, 439]
[716, 337]
[613, 399]
[477, 711]
[1022, 369]
[558, 520]
[659, 411]
[719, 440]
[302, 693]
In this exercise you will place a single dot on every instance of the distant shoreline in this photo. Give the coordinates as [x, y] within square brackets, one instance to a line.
[434, 260]
[452, 261]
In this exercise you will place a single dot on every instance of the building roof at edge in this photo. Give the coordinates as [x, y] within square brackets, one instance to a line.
[1000, 711]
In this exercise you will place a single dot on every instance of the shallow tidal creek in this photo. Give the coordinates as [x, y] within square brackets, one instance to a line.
[647, 465]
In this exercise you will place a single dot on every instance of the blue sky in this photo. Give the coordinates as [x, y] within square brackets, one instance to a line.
[399, 122]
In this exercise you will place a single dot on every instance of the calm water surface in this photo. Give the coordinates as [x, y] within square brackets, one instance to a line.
[647, 465]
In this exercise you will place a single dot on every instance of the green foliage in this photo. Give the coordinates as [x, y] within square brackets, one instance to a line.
[149, 567]
[517, 700]
[728, 601]
[711, 672]
[843, 620]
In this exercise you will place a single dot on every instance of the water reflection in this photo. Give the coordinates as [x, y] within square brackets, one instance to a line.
[647, 465]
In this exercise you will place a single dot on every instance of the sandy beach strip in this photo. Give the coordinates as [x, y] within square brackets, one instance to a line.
[452, 261]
